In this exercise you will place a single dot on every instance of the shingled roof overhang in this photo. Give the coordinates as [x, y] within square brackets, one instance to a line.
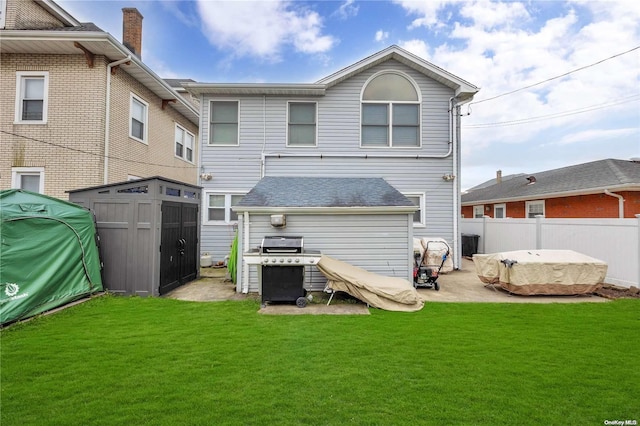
[61, 41]
[317, 195]
[236, 89]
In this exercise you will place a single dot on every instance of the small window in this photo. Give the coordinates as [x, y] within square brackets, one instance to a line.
[499, 211]
[139, 116]
[223, 129]
[219, 207]
[28, 178]
[32, 89]
[184, 144]
[418, 215]
[535, 208]
[302, 124]
[478, 211]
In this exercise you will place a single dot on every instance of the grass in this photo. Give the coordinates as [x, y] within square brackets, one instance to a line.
[117, 360]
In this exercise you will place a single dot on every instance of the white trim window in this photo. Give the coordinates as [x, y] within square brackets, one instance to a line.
[390, 112]
[218, 207]
[32, 99]
[302, 119]
[184, 143]
[28, 178]
[224, 123]
[499, 211]
[418, 215]
[534, 208]
[478, 211]
[138, 119]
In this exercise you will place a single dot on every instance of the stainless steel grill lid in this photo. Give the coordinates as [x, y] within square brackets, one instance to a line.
[280, 244]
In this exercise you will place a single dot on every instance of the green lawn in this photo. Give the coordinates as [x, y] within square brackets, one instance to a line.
[132, 361]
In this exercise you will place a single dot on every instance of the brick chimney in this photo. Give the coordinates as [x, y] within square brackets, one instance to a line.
[132, 30]
[499, 176]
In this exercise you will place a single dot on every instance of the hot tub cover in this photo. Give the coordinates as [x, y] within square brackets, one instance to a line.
[541, 272]
[389, 293]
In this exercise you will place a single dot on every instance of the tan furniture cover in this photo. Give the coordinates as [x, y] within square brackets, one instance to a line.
[389, 293]
[541, 272]
[437, 249]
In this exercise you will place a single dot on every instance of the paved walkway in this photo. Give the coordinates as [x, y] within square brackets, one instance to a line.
[462, 285]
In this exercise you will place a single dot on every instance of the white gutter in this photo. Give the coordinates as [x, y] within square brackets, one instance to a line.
[453, 114]
[620, 202]
[107, 117]
[332, 210]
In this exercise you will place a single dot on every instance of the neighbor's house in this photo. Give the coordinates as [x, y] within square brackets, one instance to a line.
[391, 115]
[600, 189]
[78, 108]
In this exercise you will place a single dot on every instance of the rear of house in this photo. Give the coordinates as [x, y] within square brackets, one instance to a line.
[391, 116]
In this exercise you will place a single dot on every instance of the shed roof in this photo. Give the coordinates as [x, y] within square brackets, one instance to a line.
[324, 192]
[586, 178]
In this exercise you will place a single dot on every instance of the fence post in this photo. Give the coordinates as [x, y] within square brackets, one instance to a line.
[484, 234]
[638, 276]
[539, 231]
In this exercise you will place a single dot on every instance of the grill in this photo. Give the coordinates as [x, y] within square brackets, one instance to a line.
[283, 270]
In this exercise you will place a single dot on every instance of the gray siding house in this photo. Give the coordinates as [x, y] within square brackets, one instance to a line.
[391, 115]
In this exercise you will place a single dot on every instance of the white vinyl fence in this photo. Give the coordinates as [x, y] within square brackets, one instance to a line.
[615, 241]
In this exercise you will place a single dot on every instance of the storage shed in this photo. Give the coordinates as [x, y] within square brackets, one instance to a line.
[362, 221]
[149, 231]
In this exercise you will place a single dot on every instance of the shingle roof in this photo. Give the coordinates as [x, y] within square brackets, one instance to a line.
[84, 26]
[592, 176]
[323, 192]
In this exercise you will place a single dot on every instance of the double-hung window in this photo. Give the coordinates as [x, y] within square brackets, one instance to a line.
[223, 126]
[418, 215]
[535, 208]
[184, 143]
[28, 178]
[32, 89]
[301, 129]
[139, 118]
[218, 207]
[390, 112]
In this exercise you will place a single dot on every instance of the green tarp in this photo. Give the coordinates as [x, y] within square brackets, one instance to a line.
[48, 254]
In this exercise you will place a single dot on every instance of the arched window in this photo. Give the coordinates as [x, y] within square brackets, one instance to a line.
[390, 112]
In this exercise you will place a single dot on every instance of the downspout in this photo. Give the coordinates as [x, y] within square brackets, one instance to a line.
[107, 116]
[620, 202]
[455, 192]
[264, 136]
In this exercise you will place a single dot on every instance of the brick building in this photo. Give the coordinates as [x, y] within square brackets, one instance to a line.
[79, 108]
[600, 189]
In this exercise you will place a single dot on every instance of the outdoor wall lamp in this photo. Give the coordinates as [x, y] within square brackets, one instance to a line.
[448, 177]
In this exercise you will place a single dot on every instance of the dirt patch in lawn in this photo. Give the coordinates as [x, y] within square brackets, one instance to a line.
[611, 291]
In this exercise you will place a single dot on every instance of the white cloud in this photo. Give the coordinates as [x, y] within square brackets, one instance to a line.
[603, 135]
[417, 47]
[382, 35]
[427, 10]
[263, 28]
[347, 9]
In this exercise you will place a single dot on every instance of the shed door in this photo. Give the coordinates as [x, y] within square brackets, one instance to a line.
[178, 246]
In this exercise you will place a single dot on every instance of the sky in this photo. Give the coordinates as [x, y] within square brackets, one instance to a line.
[559, 80]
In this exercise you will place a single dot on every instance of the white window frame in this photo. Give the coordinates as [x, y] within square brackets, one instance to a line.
[315, 144]
[18, 172]
[390, 104]
[185, 132]
[145, 131]
[3, 13]
[504, 210]
[228, 195]
[422, 205]
[20, 77]
[528, 204]
[211, 101]
[475, 211]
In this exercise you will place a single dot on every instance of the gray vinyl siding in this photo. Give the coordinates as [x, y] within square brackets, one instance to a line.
[238, 168]
[378, 243]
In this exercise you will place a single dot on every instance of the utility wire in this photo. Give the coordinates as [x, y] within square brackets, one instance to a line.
[628, 99]
[556, 77]
[93, 153]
